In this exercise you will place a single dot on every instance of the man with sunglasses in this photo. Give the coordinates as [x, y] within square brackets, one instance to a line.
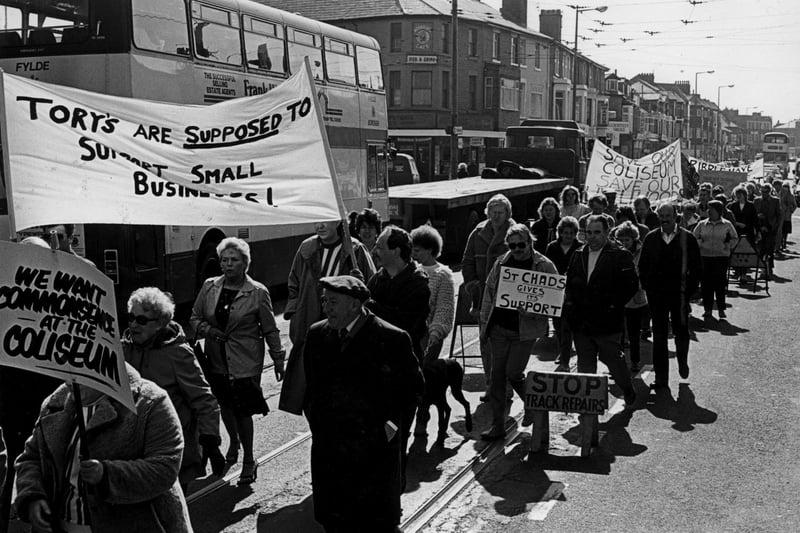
[601, 279]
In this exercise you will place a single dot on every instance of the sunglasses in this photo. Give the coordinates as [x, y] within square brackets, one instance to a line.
[139, 319]
[515, 245]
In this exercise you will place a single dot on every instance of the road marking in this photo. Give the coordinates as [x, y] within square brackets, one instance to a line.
[539, 510]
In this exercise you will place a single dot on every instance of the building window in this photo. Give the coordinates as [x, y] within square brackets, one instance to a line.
[421, 88]
[515, 50]
[537, 108]
[509, 94]
[395, 94]
[523, 99]
[473, 93]
[523, 53]
[446, 38]
[578, 108]
[558, 105]
[537, 57]
[496, 46]
[445, 89]
[395, 36]
[472, 42]
[559, 70]
[589, 118]
[488, 93]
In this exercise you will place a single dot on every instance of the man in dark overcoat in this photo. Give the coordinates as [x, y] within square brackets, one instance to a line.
[362, 377]
[669, 269]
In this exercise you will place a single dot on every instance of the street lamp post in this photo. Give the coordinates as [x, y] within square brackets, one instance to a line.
[578, 11]
[692, 139]
[453, 94]
[720, 148]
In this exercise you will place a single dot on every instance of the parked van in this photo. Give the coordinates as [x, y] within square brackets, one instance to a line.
[402, 170]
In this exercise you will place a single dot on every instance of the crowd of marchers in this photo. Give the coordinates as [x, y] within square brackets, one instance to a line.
[369, 307]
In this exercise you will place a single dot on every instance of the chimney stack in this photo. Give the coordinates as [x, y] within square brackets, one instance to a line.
[550, 23]
[515, 11]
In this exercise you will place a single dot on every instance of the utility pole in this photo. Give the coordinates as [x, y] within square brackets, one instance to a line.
[454, 94]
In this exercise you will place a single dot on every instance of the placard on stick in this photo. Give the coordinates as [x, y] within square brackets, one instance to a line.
[535, 292]
[58, 317]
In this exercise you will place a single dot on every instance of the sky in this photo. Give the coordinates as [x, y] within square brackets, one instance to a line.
[751, 44]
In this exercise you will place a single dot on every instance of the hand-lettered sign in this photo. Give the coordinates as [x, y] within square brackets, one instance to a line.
[58, 317]
[531, 291]
[81, 157]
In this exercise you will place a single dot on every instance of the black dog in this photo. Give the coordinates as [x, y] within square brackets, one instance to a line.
[439, 375]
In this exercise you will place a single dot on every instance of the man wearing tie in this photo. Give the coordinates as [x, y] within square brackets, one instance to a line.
[363, 378]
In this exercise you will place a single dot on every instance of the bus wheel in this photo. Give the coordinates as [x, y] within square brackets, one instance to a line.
[208, 265]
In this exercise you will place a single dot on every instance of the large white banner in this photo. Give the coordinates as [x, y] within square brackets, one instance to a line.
[699, 165]
[81, 157]
[58, 318]
[656, 176]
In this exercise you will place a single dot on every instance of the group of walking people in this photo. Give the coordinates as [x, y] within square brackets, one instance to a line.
[369, 309]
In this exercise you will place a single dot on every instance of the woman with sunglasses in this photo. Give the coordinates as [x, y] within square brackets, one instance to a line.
[233, 313]
[156, 346]
[511, 332]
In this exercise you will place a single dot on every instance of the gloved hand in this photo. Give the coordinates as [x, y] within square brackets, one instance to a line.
[210, 445]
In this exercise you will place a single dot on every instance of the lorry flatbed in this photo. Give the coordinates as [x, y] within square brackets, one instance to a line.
[472, 190]
[454, 207]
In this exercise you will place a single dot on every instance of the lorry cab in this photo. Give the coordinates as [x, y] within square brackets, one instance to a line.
[558, 146]
[402, 170]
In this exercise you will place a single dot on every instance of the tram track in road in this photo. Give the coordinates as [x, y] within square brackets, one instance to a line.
[235, 474]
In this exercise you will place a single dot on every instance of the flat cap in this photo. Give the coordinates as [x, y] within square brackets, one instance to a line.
[348, 285]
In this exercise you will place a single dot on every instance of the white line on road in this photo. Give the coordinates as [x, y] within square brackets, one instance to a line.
[539, 510]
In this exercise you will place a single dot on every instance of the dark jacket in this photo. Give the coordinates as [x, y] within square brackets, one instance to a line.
[140, 452]
[354, 388]
[555, 253]
[484, 246]
[768, 213]
[403, 301]
[169, 362]
[543, 234]
[660, 265]
[596, 305]
[651, 221]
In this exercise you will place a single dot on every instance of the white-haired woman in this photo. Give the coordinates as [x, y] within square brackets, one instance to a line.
[155, 345]
[233, 312]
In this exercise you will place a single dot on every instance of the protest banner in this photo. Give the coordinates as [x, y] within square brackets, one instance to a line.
[534, 292]
[699, 165]
[656, 176]
[58, 318]
[81, 157]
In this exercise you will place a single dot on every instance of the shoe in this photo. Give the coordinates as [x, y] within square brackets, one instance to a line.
[634, 368]
[708, 315]
[722, 315]
[630, 397]
[659, 385]
[484, 398]
[646, 334]
[527, 420]
[562, 368]
[249, 473]
[493, 434]
[683, 370]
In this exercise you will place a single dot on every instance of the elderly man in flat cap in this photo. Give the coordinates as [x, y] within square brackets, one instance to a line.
[363, 378]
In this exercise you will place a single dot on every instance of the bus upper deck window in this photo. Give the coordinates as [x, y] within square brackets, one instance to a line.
[302, 44]
[264, 45]
[216, 34]
[160, 25]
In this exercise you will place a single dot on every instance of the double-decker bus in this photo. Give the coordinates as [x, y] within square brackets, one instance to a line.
[775, 152]
[203, 52]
